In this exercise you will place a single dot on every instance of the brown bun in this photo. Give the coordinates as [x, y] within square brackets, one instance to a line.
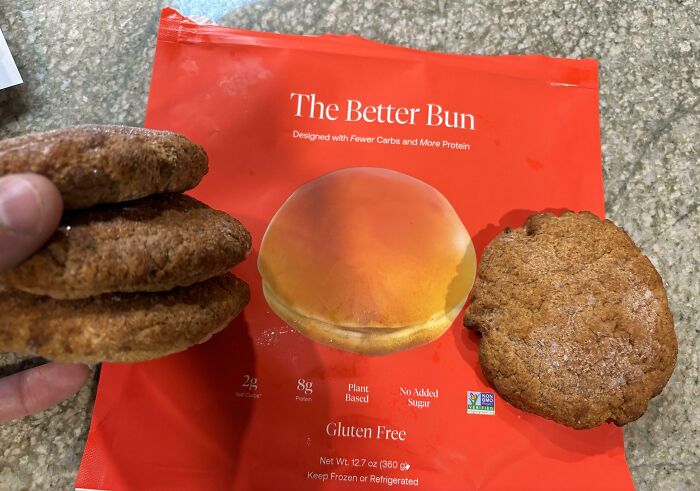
[148, 245]
[119, 327]
[93, 164]
[574, 320]
[367, 260]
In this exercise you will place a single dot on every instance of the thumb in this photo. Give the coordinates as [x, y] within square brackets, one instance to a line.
[30, 210]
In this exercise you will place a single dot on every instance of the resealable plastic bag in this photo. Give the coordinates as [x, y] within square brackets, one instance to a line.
[302, 130]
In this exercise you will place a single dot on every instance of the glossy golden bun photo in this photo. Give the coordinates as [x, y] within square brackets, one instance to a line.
[367, 260]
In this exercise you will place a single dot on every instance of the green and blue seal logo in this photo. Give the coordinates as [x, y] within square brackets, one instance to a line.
[481, 403]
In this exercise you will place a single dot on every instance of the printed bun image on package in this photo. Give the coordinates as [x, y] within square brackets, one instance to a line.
[367, 260]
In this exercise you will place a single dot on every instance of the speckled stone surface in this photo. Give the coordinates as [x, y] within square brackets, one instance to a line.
[90, 60]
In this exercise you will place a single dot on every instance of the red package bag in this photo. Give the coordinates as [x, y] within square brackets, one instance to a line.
[358, 168]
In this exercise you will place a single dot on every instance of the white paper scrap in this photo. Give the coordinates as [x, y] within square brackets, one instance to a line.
[9, 75]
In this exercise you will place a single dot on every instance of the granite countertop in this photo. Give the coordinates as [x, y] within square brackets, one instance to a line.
[90, 60]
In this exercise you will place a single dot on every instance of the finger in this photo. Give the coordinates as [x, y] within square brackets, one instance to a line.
[38, 388]
[30, 210]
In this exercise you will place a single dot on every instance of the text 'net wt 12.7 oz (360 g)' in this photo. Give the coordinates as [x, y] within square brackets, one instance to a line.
[371, 178]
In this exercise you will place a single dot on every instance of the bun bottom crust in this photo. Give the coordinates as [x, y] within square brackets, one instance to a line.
[365, 341]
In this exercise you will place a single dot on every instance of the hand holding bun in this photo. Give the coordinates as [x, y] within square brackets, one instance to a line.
[30, 209]
[135, 270]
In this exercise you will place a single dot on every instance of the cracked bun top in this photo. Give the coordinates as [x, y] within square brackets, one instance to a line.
[151, 244]
[93, 164]
[574, 320]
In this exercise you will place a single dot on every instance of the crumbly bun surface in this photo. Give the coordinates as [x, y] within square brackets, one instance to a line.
[93, 164]
[152, 244]
[574, 320]
[125, 327]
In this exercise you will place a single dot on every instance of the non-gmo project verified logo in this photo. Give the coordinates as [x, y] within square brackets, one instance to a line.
[481, 403]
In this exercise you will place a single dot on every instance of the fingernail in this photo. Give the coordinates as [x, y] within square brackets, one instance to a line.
[20, 205]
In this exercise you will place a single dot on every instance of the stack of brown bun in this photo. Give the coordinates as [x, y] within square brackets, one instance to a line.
[136, 270]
